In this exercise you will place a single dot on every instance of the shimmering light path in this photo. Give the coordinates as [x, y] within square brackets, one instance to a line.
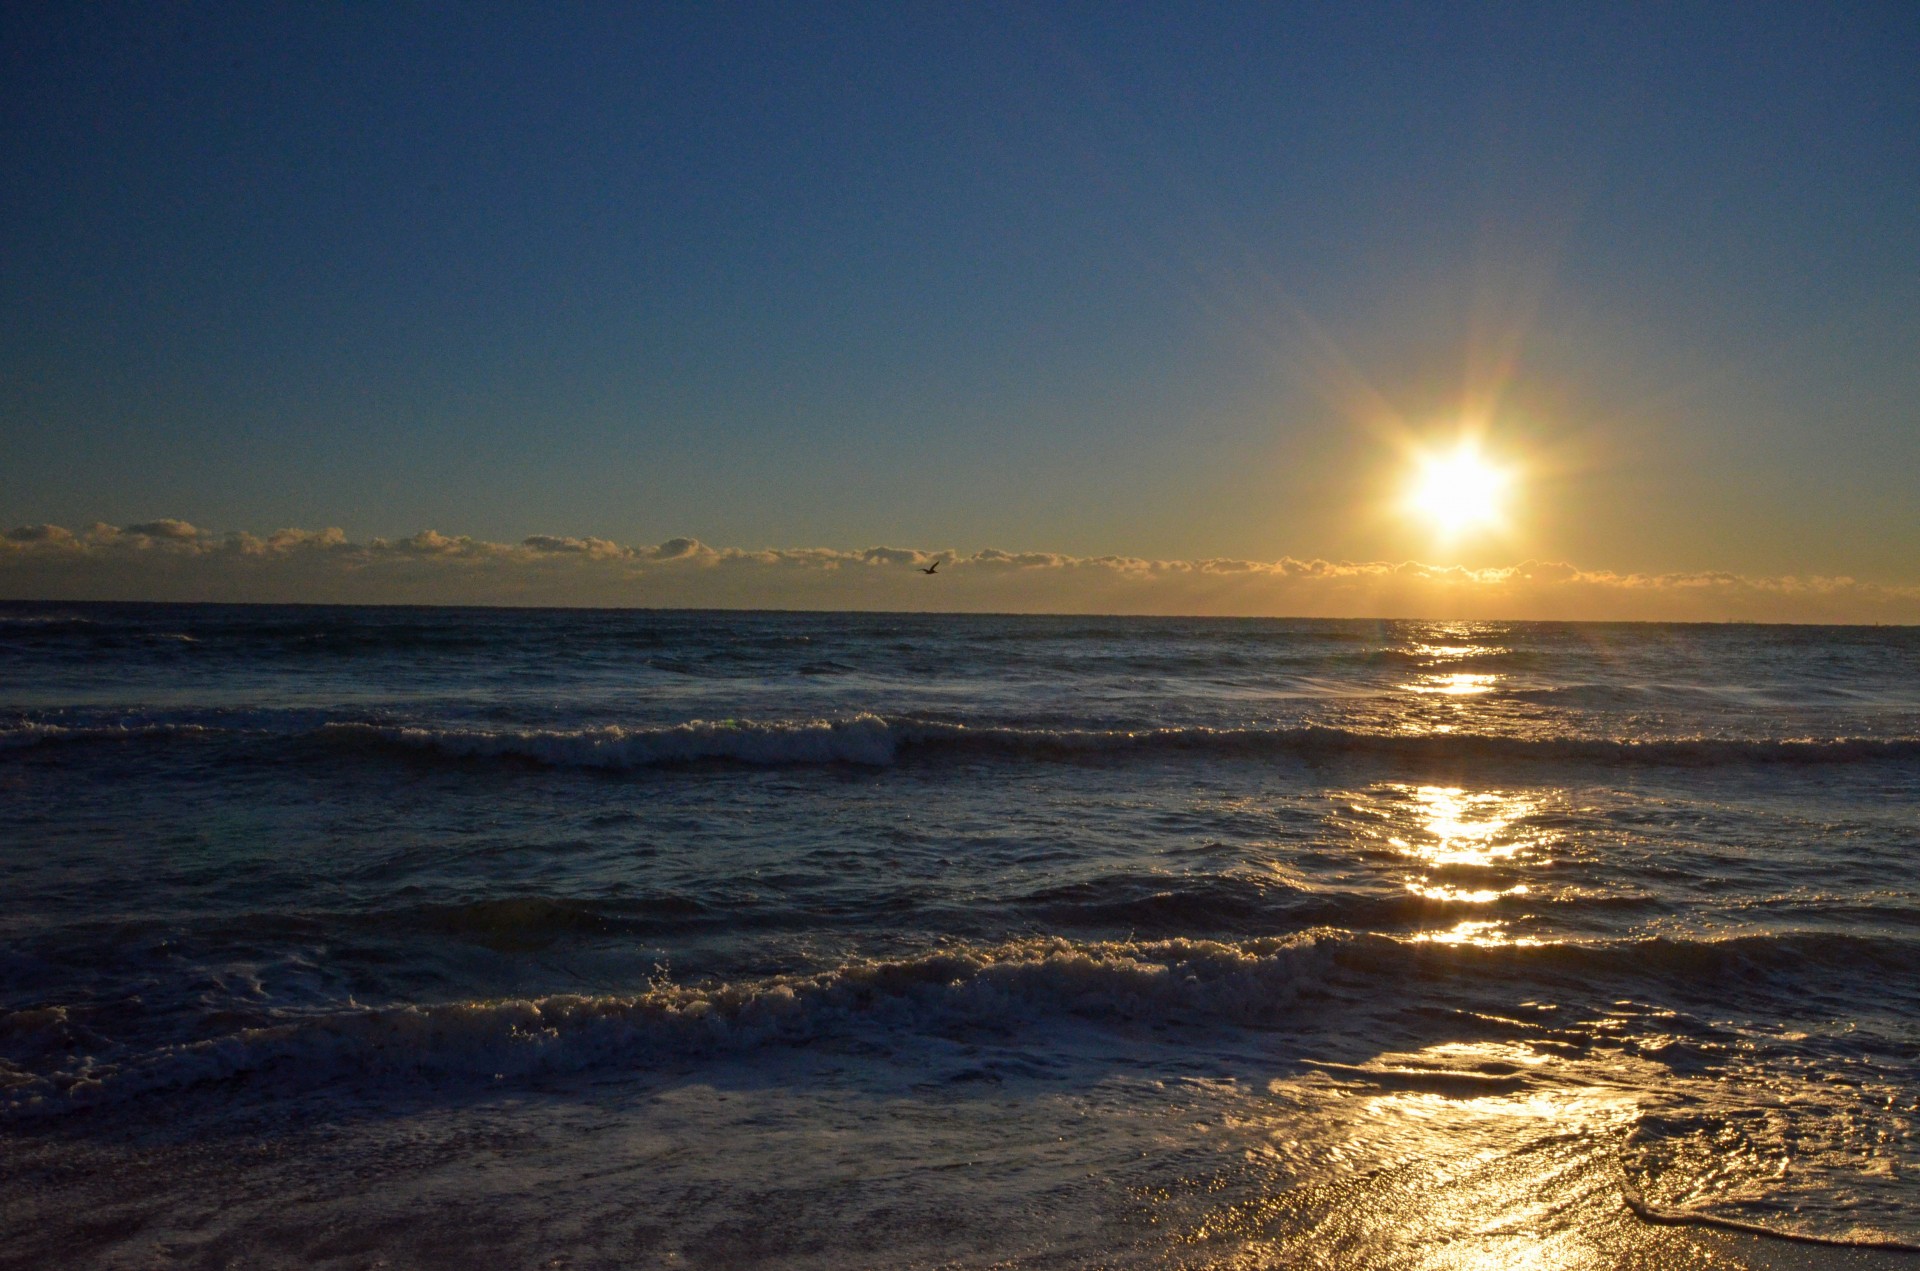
[808, 941]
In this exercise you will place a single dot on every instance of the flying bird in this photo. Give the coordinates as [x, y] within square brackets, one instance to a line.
[929, 569]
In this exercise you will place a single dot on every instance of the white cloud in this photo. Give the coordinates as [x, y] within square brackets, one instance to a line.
[173, 560]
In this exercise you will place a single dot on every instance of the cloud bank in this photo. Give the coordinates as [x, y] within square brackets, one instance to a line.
[174, 560]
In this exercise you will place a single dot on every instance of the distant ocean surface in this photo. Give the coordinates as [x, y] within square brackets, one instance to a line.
[437, 937]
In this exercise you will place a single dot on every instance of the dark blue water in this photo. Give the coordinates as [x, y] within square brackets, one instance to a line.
[829, 939]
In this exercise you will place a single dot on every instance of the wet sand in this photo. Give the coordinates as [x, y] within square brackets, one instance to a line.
[1775, 1255]
[1556, 1202]
[580, 1183]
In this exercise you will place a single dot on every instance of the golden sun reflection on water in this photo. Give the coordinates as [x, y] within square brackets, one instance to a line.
[1456, 684]
[1491, 835]
[1463, 895]
[1477, 1201]
[1451, 652]
[1443, 647]
[1455, 827]
[1463, 1156]
[1482, 933]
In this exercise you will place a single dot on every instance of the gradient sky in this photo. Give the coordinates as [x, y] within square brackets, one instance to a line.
[1167, 281]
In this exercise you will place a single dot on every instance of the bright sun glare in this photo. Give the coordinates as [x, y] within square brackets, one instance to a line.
[1459, 490]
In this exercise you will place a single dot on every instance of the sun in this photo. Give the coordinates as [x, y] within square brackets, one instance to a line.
[1459, 491]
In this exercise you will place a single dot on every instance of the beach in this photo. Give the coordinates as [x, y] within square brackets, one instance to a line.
[360, 936]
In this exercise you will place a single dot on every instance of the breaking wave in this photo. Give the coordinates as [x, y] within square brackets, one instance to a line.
[18, 735]
[1251, 983]
[876, 741]
[59, 1063]
[862, 739]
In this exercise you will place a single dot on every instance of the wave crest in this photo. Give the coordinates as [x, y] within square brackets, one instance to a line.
[874, 740]
[1249, 983]
[861, 739]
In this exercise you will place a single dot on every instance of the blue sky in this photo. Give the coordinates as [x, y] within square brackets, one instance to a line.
[1166, 281]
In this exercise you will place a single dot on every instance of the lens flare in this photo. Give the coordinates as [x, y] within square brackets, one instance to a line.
[1459, 491]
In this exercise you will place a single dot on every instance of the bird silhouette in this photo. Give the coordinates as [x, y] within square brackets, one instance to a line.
[929, 569]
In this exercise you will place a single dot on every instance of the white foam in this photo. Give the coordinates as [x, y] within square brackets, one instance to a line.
[861, 739]
[34, 733]
[872, 739]
[1023, 983]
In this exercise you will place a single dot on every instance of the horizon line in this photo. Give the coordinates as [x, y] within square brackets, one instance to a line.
[508, 607]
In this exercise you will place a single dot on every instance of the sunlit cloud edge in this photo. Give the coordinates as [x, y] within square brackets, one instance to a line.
[175, 560]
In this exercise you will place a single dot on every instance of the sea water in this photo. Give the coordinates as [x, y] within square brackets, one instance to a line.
[437, 937]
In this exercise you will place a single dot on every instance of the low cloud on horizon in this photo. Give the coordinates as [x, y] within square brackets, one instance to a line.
[175, 560]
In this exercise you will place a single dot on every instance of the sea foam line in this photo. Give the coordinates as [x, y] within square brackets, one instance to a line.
[34, 733]
[1021, 982]
[860, 739]
[878, 741]
[1669, 1216]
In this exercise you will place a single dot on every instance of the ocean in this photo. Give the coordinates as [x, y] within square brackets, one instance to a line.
[349, 937]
